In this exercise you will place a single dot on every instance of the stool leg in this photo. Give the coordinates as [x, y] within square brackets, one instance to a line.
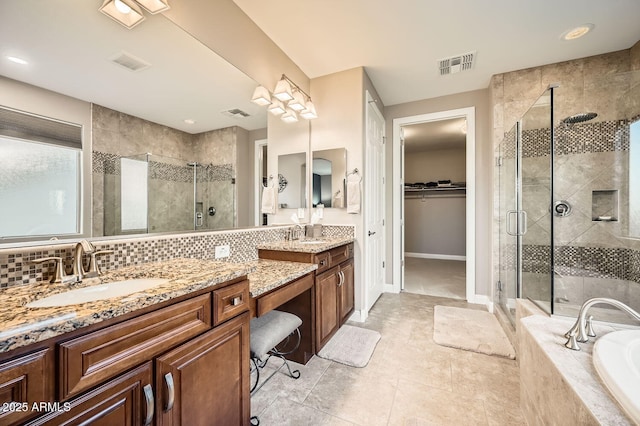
[255, 368]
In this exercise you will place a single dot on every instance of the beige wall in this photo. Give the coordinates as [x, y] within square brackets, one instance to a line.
[484, 169]
[431, 166]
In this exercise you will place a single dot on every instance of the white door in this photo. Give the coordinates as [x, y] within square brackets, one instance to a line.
[374, 204]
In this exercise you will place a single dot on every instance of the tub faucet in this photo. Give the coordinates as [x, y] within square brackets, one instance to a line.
[583, 327]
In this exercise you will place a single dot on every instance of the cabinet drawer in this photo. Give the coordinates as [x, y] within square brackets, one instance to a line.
[283, 294]
[23, 381]
[230, 301]
[339, 254]
[91, 359]
[323, 260]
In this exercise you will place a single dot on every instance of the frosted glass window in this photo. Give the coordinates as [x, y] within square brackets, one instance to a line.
[133, 189]
[39, 189]
[634, 180]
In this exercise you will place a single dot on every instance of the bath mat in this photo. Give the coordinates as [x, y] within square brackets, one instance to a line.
[471, 330]
[352, 346]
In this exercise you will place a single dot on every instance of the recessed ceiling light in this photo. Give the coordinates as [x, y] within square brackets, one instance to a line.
[577, 32]
[189, 121]
[17, 60]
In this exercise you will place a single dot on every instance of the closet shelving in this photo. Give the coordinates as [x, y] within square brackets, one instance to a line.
[413, 191]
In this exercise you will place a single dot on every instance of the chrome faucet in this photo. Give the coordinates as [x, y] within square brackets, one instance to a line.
[583, 327]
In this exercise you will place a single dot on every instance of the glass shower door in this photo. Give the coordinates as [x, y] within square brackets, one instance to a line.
[506, 163]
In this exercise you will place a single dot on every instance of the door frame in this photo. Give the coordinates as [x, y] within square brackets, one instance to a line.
[398, 193]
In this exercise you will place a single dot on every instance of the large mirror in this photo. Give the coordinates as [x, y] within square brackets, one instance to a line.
[160, 103]
[292, 181]
[329, 177]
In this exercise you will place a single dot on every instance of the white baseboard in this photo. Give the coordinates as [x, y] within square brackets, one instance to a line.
[481, 299]
[436, 256]
[390, 288]
[357, 316]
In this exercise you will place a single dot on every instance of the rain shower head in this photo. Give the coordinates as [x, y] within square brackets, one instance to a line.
[580, 118]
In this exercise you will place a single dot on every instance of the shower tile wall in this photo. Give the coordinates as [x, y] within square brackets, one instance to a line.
[117, 135]
[591, 259]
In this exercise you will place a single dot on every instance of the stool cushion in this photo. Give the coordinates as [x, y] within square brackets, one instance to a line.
[269, 330]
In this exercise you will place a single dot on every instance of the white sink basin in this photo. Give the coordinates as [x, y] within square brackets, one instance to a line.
[616, 357]
[311, 242]
[97, 292]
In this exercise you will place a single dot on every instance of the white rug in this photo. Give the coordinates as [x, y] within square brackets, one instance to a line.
[352, 346]
[471, 330]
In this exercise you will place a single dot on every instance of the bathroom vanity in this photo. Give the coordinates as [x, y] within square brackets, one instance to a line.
[334, 279]
[175, 354]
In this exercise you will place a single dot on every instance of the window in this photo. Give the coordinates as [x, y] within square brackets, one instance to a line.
[634, 179]
[40, 166]
[133, 187]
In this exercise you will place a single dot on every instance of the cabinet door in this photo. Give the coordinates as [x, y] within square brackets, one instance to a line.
[346, 299]
[206, 380]
[126, 400]
[326, 306]
[24, 381]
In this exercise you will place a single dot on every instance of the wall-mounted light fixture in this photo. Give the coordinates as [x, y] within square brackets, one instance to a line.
[287, 101]
[128, 12]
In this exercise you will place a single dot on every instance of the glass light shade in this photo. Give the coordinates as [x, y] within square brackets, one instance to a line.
[120, 13]
[309, 112]
[297, 103]
[154, 6]
[289, 116]
[283, 91]
[261, 96]
[276, 107]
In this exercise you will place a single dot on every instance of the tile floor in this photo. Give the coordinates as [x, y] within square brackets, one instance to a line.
[433, 277]
[410, 380]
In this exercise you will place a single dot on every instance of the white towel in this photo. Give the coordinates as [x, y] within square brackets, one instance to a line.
[268, 200]
[353, 196]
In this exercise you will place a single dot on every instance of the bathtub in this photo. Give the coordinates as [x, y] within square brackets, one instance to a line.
[616, 358]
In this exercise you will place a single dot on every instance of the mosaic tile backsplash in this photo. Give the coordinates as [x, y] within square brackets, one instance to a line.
[16, 269]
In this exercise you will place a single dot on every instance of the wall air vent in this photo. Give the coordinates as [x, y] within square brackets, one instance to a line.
[455, 64]
[235, 113]
[128, 61]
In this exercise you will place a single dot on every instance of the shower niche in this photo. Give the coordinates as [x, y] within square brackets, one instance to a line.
[604, 205]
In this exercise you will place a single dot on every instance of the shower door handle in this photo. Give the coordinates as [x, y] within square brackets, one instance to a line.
[510, 214]
[522, 223]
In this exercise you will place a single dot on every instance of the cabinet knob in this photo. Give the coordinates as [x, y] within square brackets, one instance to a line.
[168, 379]
[148, 396]
[323, 262]
[236, 301]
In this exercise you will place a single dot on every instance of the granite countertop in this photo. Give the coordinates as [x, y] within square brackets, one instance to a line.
[271, 274]
[576, 367]
[21, 326]
[309, 245]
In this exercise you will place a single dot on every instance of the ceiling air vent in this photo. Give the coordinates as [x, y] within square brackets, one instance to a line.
[455, 64]
[235, 113]
[130, 62]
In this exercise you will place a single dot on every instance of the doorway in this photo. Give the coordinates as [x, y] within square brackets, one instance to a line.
[260, 180]
[434, 208]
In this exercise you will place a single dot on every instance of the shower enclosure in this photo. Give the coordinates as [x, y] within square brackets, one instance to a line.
[568, 189]
[151, 193]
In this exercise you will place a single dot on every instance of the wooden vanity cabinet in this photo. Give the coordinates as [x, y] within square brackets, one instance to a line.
[334, 286]
[185, 362]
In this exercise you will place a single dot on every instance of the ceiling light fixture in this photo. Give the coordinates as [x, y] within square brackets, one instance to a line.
[577, 32]
[286, 91]
[124, 12]
[189, 121]
[154, 6]
[17, 60]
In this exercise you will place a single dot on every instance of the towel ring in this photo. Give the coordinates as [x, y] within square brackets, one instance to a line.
[353, 172]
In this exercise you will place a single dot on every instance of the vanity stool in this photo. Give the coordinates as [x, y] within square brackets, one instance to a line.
[277, 334]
